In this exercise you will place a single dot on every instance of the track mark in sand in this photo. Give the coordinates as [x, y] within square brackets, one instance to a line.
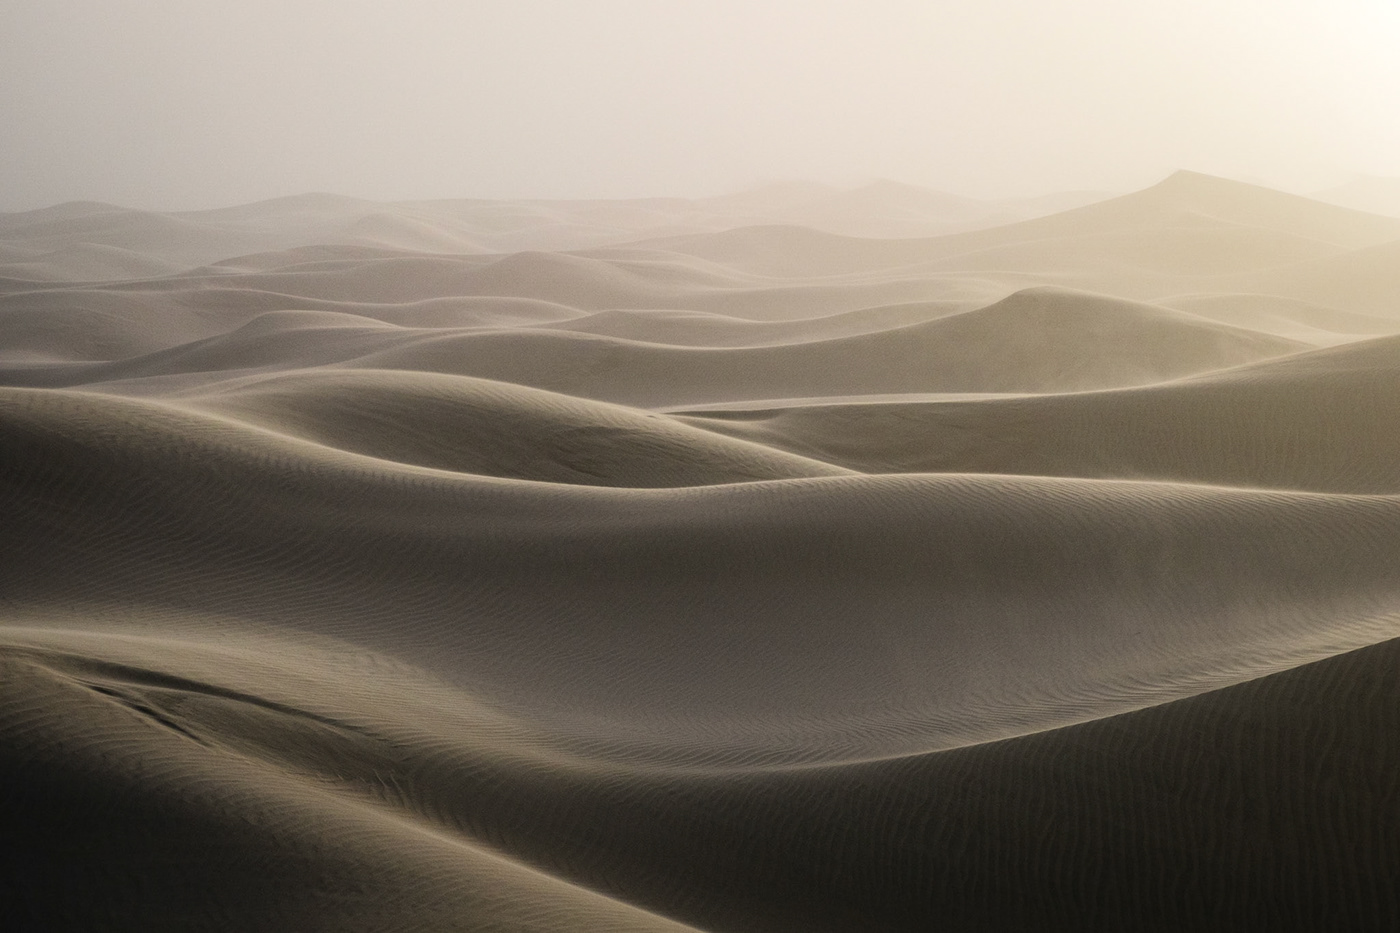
[139, 706]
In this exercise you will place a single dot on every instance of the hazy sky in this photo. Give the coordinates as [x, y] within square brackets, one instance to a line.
[174, 103]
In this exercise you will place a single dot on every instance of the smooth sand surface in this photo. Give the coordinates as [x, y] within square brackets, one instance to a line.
[801, 560]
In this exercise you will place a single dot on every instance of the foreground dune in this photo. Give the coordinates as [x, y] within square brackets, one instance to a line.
[1039, 577]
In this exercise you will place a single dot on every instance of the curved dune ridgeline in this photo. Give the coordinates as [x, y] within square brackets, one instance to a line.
[371, 567]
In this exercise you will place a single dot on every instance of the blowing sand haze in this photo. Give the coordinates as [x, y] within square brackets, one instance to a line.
[806, 560]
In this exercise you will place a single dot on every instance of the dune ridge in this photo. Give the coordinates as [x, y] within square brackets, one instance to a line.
[781, 562]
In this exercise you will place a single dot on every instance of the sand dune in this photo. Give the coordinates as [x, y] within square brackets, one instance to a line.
[1193, 215]
[611, 565]
[1318, 421]
[1033, 341]
[1366, 193]
[495, 429]
[1286, 317]
[1362, 280]
[79, 240]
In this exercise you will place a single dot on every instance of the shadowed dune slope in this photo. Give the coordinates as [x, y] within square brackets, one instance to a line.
[907, 634]
[1320, 421]
[1228, 810]
[567, 764]
[495, 429]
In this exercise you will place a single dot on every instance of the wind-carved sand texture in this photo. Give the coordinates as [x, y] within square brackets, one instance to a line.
[383, 572]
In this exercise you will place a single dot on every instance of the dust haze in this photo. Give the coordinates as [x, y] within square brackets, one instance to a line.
[170, 105]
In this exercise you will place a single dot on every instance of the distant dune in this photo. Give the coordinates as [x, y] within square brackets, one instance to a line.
[1366, 193]
[86, 240]
[800, 559]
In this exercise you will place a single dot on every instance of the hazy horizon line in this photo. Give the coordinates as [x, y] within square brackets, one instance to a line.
[818, 185]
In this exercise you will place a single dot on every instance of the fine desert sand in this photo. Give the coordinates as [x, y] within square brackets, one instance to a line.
[799, 560]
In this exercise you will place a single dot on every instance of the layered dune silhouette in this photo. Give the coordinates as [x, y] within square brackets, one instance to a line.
[799, 560]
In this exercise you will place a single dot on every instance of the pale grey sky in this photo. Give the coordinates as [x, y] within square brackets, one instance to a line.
[176, 104]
